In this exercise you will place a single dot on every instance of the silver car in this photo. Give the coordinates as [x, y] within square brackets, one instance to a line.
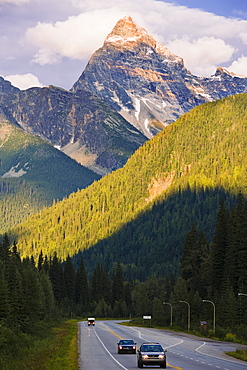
[151, 354]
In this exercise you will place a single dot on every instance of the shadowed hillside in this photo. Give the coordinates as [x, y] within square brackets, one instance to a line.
[33, 174]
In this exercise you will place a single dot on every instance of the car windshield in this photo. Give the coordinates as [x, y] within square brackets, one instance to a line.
[152, 348]
[126, 342]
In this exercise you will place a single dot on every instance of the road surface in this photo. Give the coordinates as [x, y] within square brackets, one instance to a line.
[98, 349]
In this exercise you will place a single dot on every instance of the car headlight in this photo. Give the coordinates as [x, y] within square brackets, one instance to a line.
[161, 357]
[120, 347]
[145, 357]
[134, 347]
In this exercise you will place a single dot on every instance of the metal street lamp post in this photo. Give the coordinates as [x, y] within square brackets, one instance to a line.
[205, 300]
[171, 311]
[188, 313]
[242, 294]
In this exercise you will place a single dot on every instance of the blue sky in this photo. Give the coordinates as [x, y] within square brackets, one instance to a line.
[49, 42]
[226, 8]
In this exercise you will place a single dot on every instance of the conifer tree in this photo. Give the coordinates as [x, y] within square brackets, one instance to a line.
[189, 258]
[32, 290]
[82, 293]
[69, 279]
[4, 298]
[239, 242]
[117, 283]
[141, 303]
[106, 286]
[46, 266]
[48, 297]
[56, 276]
[180, 293]
[157, 312]
[96, 283]
[194, 267]
[219, 247]
[40, 261]
[127, 296]
[17, 296]
[228, 307]
[5, 248]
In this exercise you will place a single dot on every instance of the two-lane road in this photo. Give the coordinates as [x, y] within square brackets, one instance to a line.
[98, 349]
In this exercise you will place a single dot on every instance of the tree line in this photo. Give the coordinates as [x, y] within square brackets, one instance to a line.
[32, 291]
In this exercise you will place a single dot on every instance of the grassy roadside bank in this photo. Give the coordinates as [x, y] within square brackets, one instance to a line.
[56, 348]
[240, 354]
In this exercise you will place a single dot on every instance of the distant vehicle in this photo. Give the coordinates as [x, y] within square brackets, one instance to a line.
[151, 354]
[126, 346]
[91, 321]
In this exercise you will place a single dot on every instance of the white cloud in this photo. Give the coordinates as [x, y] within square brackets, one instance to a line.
[76, 38]
[202, 56]
[16, 2]
[24, 81]
[46, 56]
[79, 36]
[53, 36]
[243, 36]
[239, 66]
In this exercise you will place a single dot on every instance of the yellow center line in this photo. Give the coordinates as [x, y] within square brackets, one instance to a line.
[111, 331]
[175, 367]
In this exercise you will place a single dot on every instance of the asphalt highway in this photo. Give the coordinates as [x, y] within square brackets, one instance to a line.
[98, 349]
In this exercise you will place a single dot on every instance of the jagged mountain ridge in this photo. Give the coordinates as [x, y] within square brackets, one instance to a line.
[79, 124]
[146, 83]
[131, 89]
[33, 174]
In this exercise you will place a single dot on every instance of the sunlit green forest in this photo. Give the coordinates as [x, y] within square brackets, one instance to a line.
[185, 170]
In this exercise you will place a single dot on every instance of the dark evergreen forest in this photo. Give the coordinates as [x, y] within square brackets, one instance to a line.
[32, 292]
[158, 233]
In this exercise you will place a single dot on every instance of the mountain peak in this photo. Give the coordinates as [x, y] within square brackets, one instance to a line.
[127, 33]
[220, 71]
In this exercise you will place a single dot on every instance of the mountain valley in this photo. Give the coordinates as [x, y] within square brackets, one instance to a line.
[33, 174]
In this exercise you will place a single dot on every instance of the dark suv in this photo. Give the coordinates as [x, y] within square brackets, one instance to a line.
[151, 354]
[126, 346]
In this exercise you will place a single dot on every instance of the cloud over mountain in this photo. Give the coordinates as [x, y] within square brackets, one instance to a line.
[57, 39]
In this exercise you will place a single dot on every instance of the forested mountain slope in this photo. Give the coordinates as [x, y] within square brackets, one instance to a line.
[181, 173]
[33, 174]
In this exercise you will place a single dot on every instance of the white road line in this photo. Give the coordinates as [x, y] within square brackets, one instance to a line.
[172, 345]
[125, 368]
[218, 358]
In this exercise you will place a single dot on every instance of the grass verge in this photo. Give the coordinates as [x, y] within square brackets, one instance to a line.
[240, 354]
[54, 349]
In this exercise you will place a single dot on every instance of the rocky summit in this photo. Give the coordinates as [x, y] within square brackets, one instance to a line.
[147, 84]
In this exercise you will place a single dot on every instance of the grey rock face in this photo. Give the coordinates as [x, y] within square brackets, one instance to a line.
[79, 124]
[147, 84]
